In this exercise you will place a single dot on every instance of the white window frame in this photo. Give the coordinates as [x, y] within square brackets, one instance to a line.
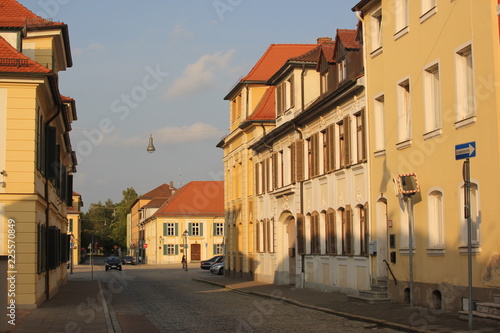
[379, 110]
[465, 86]
[435, 211]
[404, 110]
[427, 9]
[219, 229]
[376, 27]
[432, 98]
[195, 228]
[401, 21]
[170, 249]
[170, 229]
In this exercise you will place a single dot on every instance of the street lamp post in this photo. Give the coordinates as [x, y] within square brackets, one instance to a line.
[185, 234]
[158, 257]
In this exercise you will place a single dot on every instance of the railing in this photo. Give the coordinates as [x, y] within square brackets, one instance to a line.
[390, 271]
[14, 62]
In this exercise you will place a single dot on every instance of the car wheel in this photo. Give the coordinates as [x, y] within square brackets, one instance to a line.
[120, 268]
[106, 268]
[221, 271]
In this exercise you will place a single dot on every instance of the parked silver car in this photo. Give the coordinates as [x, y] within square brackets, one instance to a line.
[217, 268]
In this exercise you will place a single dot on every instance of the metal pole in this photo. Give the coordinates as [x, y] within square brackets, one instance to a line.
[91, 259]
[469, 234]
[410, 244]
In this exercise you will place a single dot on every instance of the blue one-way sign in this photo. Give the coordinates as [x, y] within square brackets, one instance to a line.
[465, 150]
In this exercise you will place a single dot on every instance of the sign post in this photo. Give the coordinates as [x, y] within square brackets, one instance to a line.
[466, 151]
[408, 186]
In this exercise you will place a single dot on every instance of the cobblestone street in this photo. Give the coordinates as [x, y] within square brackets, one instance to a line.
[173, 302]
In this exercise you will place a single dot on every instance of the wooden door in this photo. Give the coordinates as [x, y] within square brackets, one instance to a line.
[195, 252]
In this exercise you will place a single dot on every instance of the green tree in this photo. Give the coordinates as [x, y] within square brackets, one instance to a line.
[119, 225]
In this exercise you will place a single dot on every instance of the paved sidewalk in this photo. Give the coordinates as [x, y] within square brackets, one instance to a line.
[80, 307]
[396, 316]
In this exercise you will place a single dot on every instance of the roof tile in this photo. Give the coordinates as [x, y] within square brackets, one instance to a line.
[15, 15]
[196, 198]
[275, 56]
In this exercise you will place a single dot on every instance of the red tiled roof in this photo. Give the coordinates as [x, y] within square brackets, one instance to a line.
[13, 61]
[15, 15]
[275, 57]
[265, 109]
[78, 194]
[67, 99]
[156, 203]
[162, 191]
[348, 38]
[197, 198]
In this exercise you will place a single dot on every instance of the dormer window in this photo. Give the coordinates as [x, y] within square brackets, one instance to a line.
[342, 70]
[285, 97]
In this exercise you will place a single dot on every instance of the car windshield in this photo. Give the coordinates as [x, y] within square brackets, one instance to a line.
[112, 259]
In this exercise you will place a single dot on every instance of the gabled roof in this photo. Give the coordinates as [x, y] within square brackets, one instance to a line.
[197, 198]
[15, 15]
[13, 61]
[162, 191]
[275, 57]
[271, 61]
[348, 38]
[155, 203]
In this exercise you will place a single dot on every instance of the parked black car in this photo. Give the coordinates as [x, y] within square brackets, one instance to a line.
[128, 260]
[205, 264]
[113, 263]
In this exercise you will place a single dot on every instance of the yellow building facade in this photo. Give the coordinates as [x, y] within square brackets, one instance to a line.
[75, 231]
[432, 69]
[36, 157]
[251, 108]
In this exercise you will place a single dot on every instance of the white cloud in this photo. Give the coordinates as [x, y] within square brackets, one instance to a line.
[179, 33]
[201, 74]
[196, 132]
[91, 47]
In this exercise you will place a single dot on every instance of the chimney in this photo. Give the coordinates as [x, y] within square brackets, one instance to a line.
[324, 40]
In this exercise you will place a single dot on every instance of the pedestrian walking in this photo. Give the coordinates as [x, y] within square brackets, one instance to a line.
[184, 262]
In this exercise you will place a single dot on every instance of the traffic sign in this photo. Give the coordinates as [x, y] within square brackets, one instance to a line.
[465, 150]
[145, 246]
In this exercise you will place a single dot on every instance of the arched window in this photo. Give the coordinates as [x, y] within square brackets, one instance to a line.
[315, 241]
[330, 232]
[347, 239]
[436, 220]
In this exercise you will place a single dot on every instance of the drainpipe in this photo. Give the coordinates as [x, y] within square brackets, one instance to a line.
[301, 208]
[302, 86]
[47, 209]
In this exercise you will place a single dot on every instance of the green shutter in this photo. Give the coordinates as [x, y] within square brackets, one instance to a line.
[190, 229]
[176, 249]
[215, 229]
[164, 249]
[176, 229]
[164, 229]
[201, 229]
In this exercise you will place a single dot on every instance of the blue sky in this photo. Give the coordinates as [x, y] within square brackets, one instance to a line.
[163, 67]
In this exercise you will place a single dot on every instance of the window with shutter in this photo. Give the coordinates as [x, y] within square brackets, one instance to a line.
[330, 148]
[300, 235]
[315, 154]
[347, 141]
[347, 238]
[279, 101]
[293, 173]
[299, 154]
[315, 242]
[361, 137]
[275, 166]
[292, 90]
[330, 232]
